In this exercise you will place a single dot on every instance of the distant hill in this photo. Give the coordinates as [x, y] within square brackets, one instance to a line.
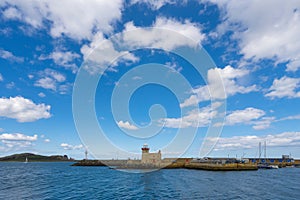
[35, 158]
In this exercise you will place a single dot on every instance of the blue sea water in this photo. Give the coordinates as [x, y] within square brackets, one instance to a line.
[61, 181]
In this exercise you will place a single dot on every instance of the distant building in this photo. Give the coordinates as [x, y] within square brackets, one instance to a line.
[285, 160]
[150, 158]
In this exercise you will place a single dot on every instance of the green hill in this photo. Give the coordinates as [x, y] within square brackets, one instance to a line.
[35, 158]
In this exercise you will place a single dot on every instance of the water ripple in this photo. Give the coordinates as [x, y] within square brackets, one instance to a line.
[61, 181]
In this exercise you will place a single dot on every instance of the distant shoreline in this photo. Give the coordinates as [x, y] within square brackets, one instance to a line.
[30, 157]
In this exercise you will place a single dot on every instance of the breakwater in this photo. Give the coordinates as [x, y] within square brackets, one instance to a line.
[180, 163]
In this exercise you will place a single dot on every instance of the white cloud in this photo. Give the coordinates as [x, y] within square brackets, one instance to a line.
[41, 94]
[66, 146]
[23, 110]
[244, 116]
[1, 77]
[295, 117]
[274, 36]
[156, 38]
[126, 125]
[46, 83]
[16, 141]
[10, 85]
[10, 56]
[6, 31]
[55, 75]
[255, 117]
[215, 88]
[11, 13]
[284, 87]
[229, 76]
[18, 137]
[47, 140]
[174, 67]
[193, 118]
[196, 98]
[263, 123]
[251, 141]
[250, 116]
[100, 54]
[15, 145]
[154, 4]
[63, 58]
[53, 80]
[65, 88]
[75, 19]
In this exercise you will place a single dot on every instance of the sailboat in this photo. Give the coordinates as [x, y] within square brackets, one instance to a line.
[26, 160]
[265, 165]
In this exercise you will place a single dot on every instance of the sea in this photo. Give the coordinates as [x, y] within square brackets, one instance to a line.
[42, 180]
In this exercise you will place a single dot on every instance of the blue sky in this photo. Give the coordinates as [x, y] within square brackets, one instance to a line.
[248, 89]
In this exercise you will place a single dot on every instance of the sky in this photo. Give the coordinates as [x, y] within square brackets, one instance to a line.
[190, 78]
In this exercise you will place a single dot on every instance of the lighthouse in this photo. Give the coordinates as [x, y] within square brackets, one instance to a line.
[145, 149]
[150, 158]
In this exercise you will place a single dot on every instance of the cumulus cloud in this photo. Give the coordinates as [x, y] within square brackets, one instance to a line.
[55, 75]
[23, 110]
[16, 141]
[249, 116]
[53, 80]
[257, 118]
[263, 123]
[155, 38]
[78, 23]
[126, 125]
[194, 118]
[274, 36]
[251, 141]
[46, 83]
[66, 146]
[63, 58]
[18, 137]
[101, 52]
[244, 116]
[15, 145]
[215, 88]
[7, 55]
[65, 88]
[11, 13]
[284, 87]
[154, 4]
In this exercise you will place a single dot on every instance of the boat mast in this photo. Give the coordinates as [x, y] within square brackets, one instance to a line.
[259, 151]
[265, 150]
[86, 154]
